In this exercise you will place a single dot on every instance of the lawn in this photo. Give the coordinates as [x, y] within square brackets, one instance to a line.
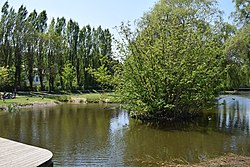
[45, 98]
[23, 100]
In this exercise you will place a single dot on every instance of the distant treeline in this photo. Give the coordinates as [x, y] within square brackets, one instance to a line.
[60, 53]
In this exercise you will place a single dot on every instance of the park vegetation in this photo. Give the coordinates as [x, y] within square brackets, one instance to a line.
[61, 53]
[181, 55]
[178, 58]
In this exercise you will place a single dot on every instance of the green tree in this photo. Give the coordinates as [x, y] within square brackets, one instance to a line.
[72, 39]
[102, 76]
[31, 44]
[52, 52]
[6, 34]
[108, 79]
[41, 46]
[69, 76]
[18, 43]
[27, 44]
[242, 12]
[174, 59]
[237, 48]
[61, 33]
[99, 54]
[82, 51]
[238, 58]
[87, 58]
[4, 77]
[72, 32]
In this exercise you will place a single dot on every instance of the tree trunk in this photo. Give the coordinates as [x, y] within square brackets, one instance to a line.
[40, 71]
[17, 83]
[78, 73]
[30, 77]
[51, 84]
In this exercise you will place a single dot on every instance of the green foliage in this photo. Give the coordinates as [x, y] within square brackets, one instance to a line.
[107, 74]
[12, 108]
[4, 76]
[69, 76]
[238, 58]
[28, 43]
[237, 48]
[242, 12]
[174, 60]
[102, 76]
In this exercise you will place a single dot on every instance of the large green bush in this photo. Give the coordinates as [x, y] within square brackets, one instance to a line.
[174, 61]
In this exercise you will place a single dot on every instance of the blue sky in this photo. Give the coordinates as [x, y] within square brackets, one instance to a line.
[107, 13]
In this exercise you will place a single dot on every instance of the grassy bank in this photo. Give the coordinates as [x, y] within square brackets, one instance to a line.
[25, 100]
[228, 160]
[39, 98]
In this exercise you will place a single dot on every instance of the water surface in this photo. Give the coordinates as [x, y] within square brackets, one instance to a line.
[101, 135]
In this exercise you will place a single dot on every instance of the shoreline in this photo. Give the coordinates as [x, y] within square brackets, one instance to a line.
[29, 101]
[229, 159]
[226, 160]
[15, 107]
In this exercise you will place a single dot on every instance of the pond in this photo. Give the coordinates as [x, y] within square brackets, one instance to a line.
[102, 135]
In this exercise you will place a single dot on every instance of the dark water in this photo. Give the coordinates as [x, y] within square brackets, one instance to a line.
[100, 135]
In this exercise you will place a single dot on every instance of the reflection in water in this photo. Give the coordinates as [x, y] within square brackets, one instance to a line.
[99, 135]
[233, 118]
[76, 134]
[119, 121]
[234, 114]
[217, 132]
[118, 124]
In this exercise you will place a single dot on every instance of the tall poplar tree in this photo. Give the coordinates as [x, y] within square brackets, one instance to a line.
[61, 33]
[30, 46]
[18, 43]
[53, 45]
[82, 51]
[41, 46]
[6, 32]
[87, 61]
[72, 39]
